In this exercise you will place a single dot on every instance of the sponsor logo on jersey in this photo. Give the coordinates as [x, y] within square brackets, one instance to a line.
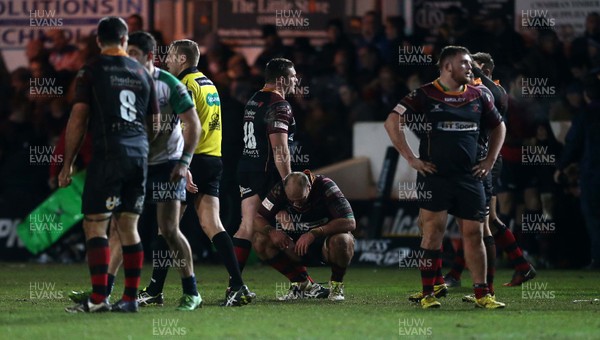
[214, 123]
[162, 102]
[244, 191]
[400, 109]
[254, 103]
[249, 113]
[125, 81]
[457, 126]
[113, 202]
[455, 99]
[213, 99]
[267, 204]
[203, 81]
[436, 108]
[280, 125]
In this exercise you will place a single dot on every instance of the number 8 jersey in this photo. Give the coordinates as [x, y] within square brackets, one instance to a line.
[120, 94]
[265, 113]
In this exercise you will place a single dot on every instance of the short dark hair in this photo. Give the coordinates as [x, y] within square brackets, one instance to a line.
[188, 48]
[143, 40]
[276, 68]
[111, 30]
[484, 58]
[451, 51]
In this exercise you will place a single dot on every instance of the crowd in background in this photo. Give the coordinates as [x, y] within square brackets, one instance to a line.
[351, 78]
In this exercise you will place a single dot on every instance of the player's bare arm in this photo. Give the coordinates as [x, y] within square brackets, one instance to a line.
[281, 153]
[496, 141]
[393, 125]
[191, 134]
[76, 128]
[278, 237]
[335, 226]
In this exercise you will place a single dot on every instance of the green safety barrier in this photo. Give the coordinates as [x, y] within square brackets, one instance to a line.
[54, 217]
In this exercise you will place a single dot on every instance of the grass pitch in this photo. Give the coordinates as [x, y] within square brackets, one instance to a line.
[33, 297]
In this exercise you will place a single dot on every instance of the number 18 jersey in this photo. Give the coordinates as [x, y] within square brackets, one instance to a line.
[265, 113]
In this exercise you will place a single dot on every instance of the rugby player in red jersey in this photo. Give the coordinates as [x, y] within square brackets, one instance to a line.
[320, 233]
[115, 98]
[447, 165]
[269, 127]
[503, 238]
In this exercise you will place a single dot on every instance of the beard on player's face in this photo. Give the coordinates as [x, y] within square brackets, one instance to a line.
[460, 73]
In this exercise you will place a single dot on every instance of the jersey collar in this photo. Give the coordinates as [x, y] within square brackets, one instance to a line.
[187, 71]
[439, 86]
[115, 51]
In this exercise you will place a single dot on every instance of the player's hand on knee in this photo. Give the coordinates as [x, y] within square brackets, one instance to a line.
[280, 239]
[303, 243]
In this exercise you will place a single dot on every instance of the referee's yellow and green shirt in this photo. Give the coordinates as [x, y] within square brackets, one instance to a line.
[208, 105]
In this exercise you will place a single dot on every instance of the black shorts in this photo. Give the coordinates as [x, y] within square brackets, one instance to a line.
[206, 174]
[115, 185]
[488, 190]
[257, 183]
[516, 177]
[462, 196]
[314, 255]
[496, 173]
[159, 187]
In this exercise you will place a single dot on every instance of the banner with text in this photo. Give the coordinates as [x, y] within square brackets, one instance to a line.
[24, 20]
[240, 21]
[565, 17]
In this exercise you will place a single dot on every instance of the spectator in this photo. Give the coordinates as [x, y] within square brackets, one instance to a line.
[273, 48]
[580, 47]
[336, 40]
[582, 147]
[453, 30]
[242, 84]
[504, 44]
[546, 61]
[371, 33]
[62, 54]
[369, 61]
[569, 105]
[215, 60]
[35, 49]
[135, 22]
[353, 108]
[384, 92]
[396, 38]
[326, 86]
